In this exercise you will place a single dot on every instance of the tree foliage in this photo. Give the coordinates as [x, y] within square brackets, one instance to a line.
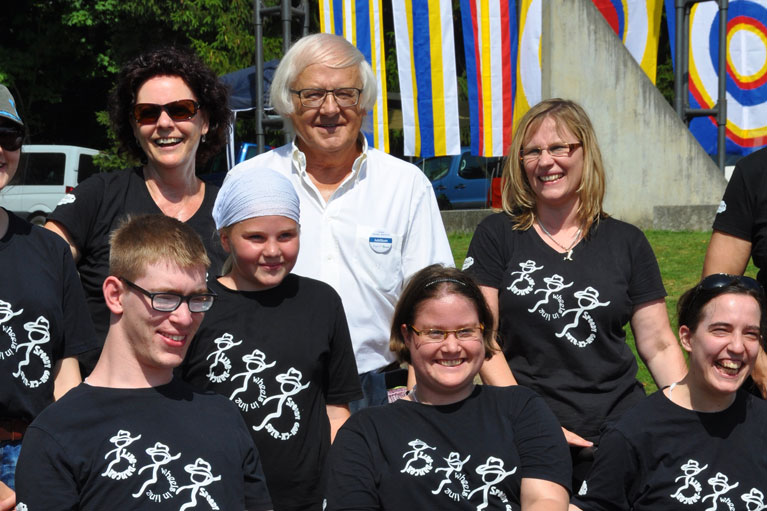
[60, 57]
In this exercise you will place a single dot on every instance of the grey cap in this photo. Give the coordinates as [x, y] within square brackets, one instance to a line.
[8, 106]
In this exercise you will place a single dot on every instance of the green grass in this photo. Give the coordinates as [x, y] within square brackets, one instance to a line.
[680, 257]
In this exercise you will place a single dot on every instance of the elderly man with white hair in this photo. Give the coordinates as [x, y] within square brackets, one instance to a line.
[368, 219]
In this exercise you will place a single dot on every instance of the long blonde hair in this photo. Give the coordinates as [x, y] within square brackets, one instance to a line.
[519, 200]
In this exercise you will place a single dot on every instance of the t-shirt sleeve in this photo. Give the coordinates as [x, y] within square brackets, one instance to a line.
[645, 283]
[78, 211]
[43, 462]
[735, 215]
[79, 335]
[342, 379]
[257, 496]
[487, 256]
[612, 477]
[541, 445]
[351, 482]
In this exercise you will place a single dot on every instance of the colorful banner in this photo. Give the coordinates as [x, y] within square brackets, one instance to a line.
[637, 24]
[746, 72]
[360, 23]
[528, 80]
[490, 45]
[427, 75]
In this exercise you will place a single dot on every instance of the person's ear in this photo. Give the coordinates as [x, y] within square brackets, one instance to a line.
[685, 338]
[406, 334]
[113, 294]
[224, 236]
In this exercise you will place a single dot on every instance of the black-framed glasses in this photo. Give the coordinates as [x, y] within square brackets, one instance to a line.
[313, 98]
[471, 333]
[181, 110]
[720, 280]
[11, 138]
[168, 302]
[558, 150]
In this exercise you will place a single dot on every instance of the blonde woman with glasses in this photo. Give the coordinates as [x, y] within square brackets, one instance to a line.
[563, 279]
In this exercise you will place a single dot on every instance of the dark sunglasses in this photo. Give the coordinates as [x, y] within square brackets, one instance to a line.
[11, 138]
[181, 110]
[720, 280]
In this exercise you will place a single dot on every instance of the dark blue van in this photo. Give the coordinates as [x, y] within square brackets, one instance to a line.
[461, 181]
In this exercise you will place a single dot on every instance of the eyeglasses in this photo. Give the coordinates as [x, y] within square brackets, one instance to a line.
[168, 302]
[473, 333]
[558, 150]
[720, 280]
[11, 138]
[313, 98]
[181, 110]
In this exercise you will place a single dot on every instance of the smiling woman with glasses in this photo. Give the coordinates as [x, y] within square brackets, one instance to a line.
[564, 279]
[169, 111]
[700, 439]
[449, 444]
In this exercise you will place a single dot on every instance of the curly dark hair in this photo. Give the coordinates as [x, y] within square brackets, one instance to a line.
[210, 93]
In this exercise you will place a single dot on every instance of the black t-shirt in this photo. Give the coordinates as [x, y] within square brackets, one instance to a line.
[280, 355]
[43, 317]
[562, 322]
[660, 456]
[167, 447]
[97, 206]
[467, 455]
[743, 210]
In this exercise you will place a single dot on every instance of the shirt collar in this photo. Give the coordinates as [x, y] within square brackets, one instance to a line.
[299, 159]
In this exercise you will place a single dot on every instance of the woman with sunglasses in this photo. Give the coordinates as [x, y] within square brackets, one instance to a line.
[450, 444]
[44, 321]
[699, 443]
[170, 111]
[563, 280]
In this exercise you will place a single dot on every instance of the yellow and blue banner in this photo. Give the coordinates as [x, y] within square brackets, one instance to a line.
[490, 41]
[425, 44]
[637, 24]
[528, 65]
[360, 23]
[746, 72]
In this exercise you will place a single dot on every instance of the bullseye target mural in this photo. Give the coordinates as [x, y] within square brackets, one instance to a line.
[637, 24]
[746, 74]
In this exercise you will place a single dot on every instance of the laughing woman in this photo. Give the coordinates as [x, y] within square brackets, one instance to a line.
[170, 111]
[450, 444]
[699, 442]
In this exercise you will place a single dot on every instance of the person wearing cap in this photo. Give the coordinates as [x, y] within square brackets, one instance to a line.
[369, 220]
[276, 344]
[132, 436]
[44, 321]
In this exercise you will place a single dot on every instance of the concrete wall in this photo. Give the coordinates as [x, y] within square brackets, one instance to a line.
[651, 158]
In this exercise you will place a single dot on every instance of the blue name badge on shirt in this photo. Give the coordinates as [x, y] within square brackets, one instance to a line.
[380, 242]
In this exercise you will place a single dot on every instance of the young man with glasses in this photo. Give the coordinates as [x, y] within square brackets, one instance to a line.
[132, 436]
[368, 220]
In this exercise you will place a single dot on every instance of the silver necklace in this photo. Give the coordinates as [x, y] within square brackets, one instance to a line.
[568, 250]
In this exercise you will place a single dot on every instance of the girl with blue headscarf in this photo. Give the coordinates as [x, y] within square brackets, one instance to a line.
[276, 344]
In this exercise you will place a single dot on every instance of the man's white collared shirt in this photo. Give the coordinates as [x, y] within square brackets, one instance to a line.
[380, 226]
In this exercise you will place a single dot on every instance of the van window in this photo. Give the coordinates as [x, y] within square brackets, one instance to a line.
[436, 168]
[41, 169]
[85, 168]
[472, 167]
